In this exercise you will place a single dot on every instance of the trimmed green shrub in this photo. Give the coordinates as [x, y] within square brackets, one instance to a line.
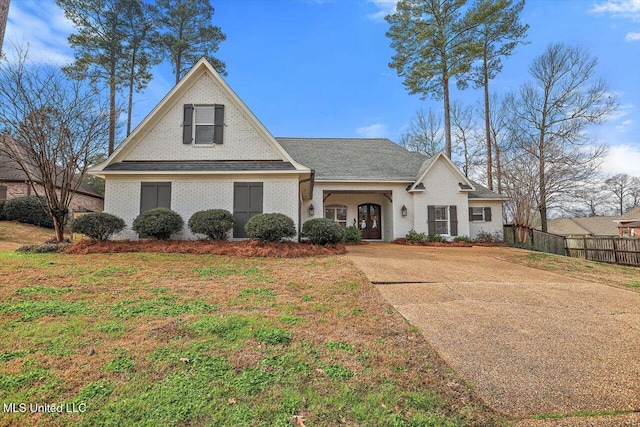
[159, 223]
[98, 225]
[323, 231]
[488, 237]
[27, 210]
[436, 238]
[352, 234]
[414, 237]
[214, 223]
[465, 239]
[271, 227]
[2, 217]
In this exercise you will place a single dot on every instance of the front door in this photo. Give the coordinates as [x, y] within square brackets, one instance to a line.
[369, 221]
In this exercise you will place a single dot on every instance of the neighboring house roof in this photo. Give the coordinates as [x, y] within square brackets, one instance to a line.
[596, 225]
[633, 214]
[200, 166]
[11, 171]
[634, 224]
[344, 159]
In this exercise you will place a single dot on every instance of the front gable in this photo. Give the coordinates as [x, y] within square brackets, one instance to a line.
[439, 175]
[240, 136]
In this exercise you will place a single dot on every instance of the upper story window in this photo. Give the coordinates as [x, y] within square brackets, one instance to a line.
[203, 124]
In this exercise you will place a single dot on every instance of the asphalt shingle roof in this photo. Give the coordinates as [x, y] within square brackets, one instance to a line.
[597, 225]
[374, 159]
[366, 159]
[201, 166]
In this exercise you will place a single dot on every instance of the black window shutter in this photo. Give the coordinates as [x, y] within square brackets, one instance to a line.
[247, 202]
[187, 124]
[218, 128]
[431, 219]
[487, 214]
[453, 218]
[470, 214]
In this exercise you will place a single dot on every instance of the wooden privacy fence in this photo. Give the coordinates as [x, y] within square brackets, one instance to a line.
[615, 250]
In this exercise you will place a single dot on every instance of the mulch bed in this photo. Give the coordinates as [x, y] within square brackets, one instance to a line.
[403, 241]
[245, 248]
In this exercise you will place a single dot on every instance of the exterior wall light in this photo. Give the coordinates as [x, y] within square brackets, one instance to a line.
[311, 210]
[403, 210]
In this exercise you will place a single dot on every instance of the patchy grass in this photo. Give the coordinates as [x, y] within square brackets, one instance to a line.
[14, 234]
[181, 339]
[592, 271]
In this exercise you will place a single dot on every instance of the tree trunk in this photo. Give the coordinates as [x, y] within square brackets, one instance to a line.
[498, 169]
[131, 81]
[487, 124]
[58, 226]
[543, 186]
[447, 116]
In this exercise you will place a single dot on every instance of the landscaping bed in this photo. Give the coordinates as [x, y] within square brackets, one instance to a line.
[403, 241]
[244, 248]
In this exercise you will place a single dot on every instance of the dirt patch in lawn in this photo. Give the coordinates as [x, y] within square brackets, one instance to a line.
[245, 248]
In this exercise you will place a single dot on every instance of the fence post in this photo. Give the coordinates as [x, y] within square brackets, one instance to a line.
[584, 244]
[615, 249]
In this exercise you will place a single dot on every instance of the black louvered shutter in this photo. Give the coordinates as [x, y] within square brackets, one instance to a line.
[487, 214]
[453, 219]
[187, 124]
[470, 214]
[218, 128]
[431, 219]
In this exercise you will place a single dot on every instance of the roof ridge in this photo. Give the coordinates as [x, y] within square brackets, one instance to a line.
[332, 137]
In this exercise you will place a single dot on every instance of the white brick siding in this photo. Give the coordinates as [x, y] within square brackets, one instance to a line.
[489, 226]
[441, 189]
[192, 194]
[242, 141]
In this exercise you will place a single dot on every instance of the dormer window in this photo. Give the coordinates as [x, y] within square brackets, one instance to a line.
[203, 124]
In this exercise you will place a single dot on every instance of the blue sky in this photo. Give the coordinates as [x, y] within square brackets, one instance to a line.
[318, 68]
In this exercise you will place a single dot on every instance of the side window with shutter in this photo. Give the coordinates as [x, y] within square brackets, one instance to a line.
[3, 192]
[203, 124]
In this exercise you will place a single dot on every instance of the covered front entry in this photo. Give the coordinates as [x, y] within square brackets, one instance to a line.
[370, 220]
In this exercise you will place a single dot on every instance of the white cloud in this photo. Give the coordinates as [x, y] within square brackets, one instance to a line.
[41, 26]
[632, 37]
[375, 130]
[623, 158]
[630, 8]
[385, 7]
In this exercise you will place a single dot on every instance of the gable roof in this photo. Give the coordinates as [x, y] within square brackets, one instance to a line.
[354, 159]
[596, 225]
[10, 170]
[202, 66]
[464, 182]
[633, 214]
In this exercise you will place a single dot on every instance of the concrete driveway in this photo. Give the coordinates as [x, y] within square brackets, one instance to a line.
[530, 342]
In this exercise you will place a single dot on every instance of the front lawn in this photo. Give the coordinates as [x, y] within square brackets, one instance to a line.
[182, 339]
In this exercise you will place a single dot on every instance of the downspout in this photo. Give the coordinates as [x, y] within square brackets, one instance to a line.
[311, 178]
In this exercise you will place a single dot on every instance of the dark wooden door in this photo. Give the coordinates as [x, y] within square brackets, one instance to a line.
[370, 220]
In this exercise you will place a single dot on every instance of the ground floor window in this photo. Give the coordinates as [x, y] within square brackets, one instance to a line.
[477, 214]
[247, 202]
[3, 192]
[337, 213]
[442, 220]
[155, 195]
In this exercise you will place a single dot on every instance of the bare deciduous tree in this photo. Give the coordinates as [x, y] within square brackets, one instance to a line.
[624, 190]
[464, 132]
[425, 134]
[550, 115]
[51, 127]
